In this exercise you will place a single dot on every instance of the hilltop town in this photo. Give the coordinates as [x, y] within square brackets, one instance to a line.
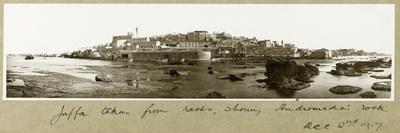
[202, 45]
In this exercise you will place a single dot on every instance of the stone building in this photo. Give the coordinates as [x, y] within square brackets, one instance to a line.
[197, 36]
[321, 54]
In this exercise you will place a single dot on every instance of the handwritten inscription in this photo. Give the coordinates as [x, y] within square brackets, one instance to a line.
[241, 108]
[285, 107]
[190, 109]
[344, 124]
[376, 108]
[113, 111]
[153, 110]
[77, 113]
[68, 114]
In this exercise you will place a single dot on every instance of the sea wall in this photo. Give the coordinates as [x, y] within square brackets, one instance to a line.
[158, 55]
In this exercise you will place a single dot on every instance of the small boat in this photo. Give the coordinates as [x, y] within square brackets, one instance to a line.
[29, 57]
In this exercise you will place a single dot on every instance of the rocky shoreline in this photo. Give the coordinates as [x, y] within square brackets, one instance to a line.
[61, 85]
[281, 78]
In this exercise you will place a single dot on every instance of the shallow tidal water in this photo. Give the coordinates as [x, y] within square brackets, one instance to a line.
[196, 82]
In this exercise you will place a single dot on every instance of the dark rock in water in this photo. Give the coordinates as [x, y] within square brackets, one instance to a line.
[29, 57]
[368, 94]
[129, 82]
[377, 70]
[210, 70]
[352, 74]
[215, 94]
[380, 77]
[277, 67]
[233, 77]
[286, 74]
[247, 74]
[103, 78]
[244, 67]
[384, 65]
[365, 70]
[317, 65]
[174, 72]
[349, 73]
[175, 88]
[288, 83]
[191, 63]
[355, 68]
[336, 72]
[345, 89]
[383, 85]
[261, 80]
[294, 84]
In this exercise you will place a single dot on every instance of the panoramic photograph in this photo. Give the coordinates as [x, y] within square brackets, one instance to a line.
[199, 51]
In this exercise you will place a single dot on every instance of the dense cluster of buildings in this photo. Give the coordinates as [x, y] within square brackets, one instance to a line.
[199, 45]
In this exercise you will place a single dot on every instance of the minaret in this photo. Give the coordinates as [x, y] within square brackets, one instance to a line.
[137, 32]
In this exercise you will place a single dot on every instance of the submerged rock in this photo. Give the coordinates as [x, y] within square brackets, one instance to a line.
[174, 72]
[215, 94]
[368, 94]
[261, 80]
[336, 72]
[383, 85]
[247, 74]
[345, 89]
[377, 70]
[103, 78]
[380, 77]
[29, 57]
[210, 70]
[233, 77]
[352, 74]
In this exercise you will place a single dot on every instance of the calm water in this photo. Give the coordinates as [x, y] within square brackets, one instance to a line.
[198, 82]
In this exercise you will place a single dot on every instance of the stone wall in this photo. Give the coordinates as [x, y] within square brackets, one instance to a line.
[158, 55]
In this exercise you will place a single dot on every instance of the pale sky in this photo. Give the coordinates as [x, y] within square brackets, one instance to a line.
[56, 28]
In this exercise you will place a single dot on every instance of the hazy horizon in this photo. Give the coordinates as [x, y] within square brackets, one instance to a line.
[57, 28]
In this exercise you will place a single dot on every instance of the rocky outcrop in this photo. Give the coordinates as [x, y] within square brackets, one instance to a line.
[368, 94]
[383, 86]
[377, 70]
[29, 57]
[356, 68]
[287, 74]
[215, 94]
[103, 78]
[380, 77]
[210, 70]
[174, 72]
[345, 89]
[261, 80]
[233, 77]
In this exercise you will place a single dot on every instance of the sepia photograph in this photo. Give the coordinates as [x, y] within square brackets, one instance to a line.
[199, 51]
